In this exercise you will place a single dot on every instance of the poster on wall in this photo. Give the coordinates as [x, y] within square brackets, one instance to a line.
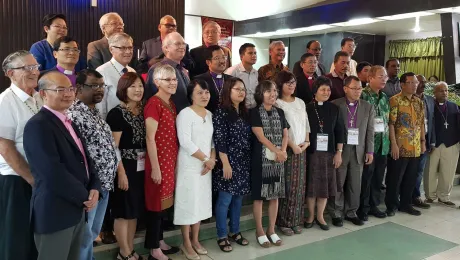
[226, 30]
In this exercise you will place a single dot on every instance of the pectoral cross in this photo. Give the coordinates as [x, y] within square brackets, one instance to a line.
[446, 124]
[351, 122]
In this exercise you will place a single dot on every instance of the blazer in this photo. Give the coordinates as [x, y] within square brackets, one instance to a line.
[215, 97]
[303, 89]
[61, 180]
[198, 56]
[98, 53]
[431, 134]
[297, 69]
[365, 120]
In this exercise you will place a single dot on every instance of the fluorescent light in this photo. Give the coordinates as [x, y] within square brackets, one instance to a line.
[405, 16]
[359, 21]
[284, 31]
[451, 10]
[314, 28]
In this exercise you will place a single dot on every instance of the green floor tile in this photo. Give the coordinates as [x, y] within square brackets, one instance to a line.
[381, 242]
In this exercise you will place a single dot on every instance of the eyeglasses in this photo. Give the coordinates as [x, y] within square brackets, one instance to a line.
[170, 80]
[220, 58]
[69, 50]
[62, 90]
[170, 25]
[115, 24]
[291, 83]
[124, 49]
[28, 67]
[179, 44]
[59, 27]
[240, 90]
[95, 86]
[210, 32]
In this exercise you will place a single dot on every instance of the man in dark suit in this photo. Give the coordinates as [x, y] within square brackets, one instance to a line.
[338, 75]
[98, 51]
[313, 47]
[306, 77]
[211, 35]
[66, 186]
[215, 77]
[358, 118]
[152, 51]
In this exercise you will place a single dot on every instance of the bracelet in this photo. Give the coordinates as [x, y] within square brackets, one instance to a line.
[340, 150]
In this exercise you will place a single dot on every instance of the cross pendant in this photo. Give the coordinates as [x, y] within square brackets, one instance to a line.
[446, 124]
[351, 123]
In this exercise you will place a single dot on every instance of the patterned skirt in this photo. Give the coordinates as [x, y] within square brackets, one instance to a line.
[322, 176]
[291, 208]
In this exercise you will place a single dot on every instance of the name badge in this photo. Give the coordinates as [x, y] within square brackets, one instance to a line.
[140, 161]
[322, 142]
[379, 126]
[353, 136]
[426, 125]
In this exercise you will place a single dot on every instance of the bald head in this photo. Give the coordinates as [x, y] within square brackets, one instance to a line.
[174, 46]
[441, 92]
[53, 78]
[57, 91]
[167, 25]
[421, 84]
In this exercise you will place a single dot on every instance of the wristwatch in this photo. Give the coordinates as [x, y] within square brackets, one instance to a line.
[340, 150]
[205, 159]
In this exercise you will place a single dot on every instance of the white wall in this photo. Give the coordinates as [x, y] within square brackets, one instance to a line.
[192, 31]
[408, 36]
[261, 48]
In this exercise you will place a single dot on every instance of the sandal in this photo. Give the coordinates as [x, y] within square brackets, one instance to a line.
[226, 244]
[138, 257]
[239, 239]
[275, 239]
[297, 230]
[121, 257]
[286, 231]
[263, 241]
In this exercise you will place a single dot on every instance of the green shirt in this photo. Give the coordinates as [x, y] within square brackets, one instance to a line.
[381, 105]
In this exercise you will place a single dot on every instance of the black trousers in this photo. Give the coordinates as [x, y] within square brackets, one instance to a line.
[400, 180]
[16, 233]
[371, 184]
[154, 232]
[107, 225]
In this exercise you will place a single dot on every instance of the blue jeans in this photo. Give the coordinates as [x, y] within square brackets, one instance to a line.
[93, 227]
[420, 171]
[225, 202]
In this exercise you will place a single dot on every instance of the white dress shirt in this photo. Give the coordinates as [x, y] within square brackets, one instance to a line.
[112, 72]
[16, 108]
[250, 81]
[352, 71]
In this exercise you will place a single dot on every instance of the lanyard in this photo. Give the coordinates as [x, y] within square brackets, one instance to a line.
[320, 120]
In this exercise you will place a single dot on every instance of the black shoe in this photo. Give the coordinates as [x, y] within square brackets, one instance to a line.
[108, 237]
[363, 216]
[378, 214]
[447, 203]
[390, 213]
[323, 227]
[171, 251]
[308, 225]
[418, 202]
[338, 222]
[355, 220]
[411, 211]
[94, 243]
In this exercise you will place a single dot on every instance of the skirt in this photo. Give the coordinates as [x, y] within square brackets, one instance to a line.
[322, 176]
[291, 208]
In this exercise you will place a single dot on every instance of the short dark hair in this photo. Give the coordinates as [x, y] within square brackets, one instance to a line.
[310, 43]
[63, 39]
[49, 18]
[340, 54]
[281, 78]
[433, 76]
[126, 81]
[244, 47]
[405, 75]
[345, 40]
[261, 88]
[191, 86]
[349, 79]
[83, 75]
[209, 50]
[361, 66]
[320, 81]
[226, 100]
[388, 62]
[305, 56]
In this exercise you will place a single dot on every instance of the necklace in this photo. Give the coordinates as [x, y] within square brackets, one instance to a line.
[444, 118]
[352, 117]
[116, 69]
[31, 110]
[219, 90]
[320, 121]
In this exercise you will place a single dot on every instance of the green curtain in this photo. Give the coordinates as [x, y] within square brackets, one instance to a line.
[421, 56]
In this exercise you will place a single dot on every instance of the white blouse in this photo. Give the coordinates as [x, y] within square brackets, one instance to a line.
[296, 116]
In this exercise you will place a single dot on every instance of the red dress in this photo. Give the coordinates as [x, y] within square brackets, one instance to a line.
[161, 196]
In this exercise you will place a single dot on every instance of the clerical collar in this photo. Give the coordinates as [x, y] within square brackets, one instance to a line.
[320, 103]
[67, 72]
[351, 104]
[215, 75]
[308, 76]
[441, 104]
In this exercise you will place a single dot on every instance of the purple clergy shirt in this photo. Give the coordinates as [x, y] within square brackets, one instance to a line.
[352, 111]
[70, 74]
[218, 80]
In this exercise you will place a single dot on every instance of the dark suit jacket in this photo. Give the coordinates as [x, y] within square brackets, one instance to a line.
[303, 89]
[365, 123]
[153, 49]
[297, 69]
[57, 165]
[430, 135]
[98, 53]
[199, 58]
[215, 98]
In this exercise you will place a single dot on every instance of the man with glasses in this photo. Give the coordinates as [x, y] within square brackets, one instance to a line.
[306, 77]
[98, 51]
[358, 118]
[211, 36]
[313, 47]
[67, 187]
[349, 46]
[96, 133]
[55, 27]
[121, 48]
[18, 104]
[407, 137]
[152, 51]
[174, 50]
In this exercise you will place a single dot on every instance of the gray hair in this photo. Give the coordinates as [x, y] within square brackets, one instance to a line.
[11, 61]
[168, 39]
[441, 83]
[105, 18]
[166, 17]
[118, 37]
[273, 44]
[47, 79]
[163, 71]
[212, 23]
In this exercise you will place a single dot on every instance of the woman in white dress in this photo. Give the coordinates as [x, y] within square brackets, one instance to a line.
[196, 159]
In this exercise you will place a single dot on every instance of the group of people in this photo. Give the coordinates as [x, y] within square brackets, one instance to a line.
[93, 146]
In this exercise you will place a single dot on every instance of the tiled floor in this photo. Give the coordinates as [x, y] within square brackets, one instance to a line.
[433, 236]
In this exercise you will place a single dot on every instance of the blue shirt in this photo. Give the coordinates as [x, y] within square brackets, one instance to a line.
[43, 53]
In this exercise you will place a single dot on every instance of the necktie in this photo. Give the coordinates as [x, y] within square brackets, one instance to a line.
[124, 70]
